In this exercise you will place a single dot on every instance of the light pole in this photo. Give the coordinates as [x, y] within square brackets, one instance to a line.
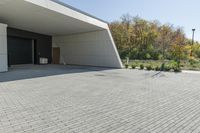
[193, 30]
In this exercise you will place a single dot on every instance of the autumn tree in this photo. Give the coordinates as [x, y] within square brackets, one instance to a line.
[137, 38]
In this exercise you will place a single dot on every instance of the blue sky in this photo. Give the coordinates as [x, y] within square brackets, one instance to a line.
[183, 13]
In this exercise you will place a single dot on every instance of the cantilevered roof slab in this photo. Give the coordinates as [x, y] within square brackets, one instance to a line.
[82, 38]
[47, 17]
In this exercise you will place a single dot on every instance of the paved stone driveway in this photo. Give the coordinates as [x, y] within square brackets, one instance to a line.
[58, 99]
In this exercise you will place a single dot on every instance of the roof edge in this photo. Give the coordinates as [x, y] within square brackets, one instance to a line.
[78, 10]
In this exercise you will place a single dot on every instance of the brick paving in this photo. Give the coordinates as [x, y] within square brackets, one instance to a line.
[59, 99]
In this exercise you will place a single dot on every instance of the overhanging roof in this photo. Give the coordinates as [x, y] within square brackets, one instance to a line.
[75, 9]
[48, 17]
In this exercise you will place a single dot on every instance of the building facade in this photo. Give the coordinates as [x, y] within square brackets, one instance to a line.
[35, 29]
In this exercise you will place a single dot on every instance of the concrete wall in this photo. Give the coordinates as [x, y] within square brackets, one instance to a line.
[3, 48]
[94, 49]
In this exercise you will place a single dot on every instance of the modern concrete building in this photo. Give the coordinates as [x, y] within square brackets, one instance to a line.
[35, 29]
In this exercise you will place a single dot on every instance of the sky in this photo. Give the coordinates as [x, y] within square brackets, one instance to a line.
[180, 13]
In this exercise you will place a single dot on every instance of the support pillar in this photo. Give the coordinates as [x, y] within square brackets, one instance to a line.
[3, 48]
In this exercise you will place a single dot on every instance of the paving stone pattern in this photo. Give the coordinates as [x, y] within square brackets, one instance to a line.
[59, 99]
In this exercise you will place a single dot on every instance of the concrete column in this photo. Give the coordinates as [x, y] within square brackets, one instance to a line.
[3, 48]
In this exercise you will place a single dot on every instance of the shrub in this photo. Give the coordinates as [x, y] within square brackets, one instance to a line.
[133, 66]
[148, 56]
[126, 66]
[123, 53]
[194, 66]
[167, 68]
[177, 69]
[149, 67]
[141, 67]
[157, 68]
[156, 56]
[176, 66]
[170, 65]
[193, 61]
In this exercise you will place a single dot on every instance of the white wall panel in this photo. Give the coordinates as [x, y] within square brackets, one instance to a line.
[3, 48]
[3, 44]
[93, 49]
[3, 30]
[3, 63]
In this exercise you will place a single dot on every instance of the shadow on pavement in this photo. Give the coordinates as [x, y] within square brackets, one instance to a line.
[34, 71]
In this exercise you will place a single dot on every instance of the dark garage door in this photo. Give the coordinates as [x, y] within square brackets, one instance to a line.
[19, 51]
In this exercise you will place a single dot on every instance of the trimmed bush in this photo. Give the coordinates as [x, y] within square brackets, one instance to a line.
[126, 66]
[141, 67]
[149, 67]
[157, 68]
[175, 66]
[133, 66]
[167, 68]
[177, 69]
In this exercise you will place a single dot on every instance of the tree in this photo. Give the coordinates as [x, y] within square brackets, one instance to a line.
[141, 39]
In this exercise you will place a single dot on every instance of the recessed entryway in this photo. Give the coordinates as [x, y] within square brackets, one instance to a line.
[20, 51]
